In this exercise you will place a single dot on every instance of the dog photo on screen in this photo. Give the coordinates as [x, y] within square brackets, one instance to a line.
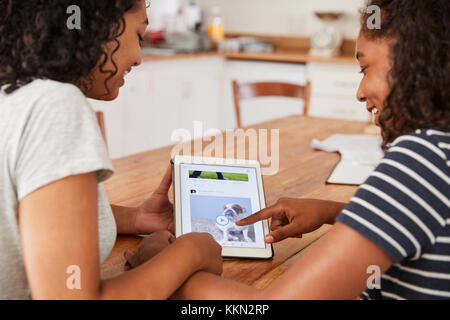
[218, 216]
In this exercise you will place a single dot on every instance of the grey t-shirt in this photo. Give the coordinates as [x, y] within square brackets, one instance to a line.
[48, 131]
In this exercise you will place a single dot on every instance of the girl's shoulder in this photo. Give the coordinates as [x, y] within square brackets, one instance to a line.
[45, 100]
[47, 89]
[427, 145]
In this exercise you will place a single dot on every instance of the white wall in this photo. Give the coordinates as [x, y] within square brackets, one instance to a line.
[283, 17]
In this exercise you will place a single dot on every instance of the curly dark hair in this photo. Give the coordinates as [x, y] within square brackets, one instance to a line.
[419, 80]
[35, 42]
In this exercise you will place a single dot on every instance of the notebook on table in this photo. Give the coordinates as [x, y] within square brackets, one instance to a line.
[360, 155]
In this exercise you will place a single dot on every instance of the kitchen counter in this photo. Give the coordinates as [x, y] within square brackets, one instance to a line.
[287, 49]
[280, 56]
[152, 58]
[286, 56]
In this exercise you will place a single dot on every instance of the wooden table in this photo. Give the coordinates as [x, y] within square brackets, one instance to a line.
[302, 173]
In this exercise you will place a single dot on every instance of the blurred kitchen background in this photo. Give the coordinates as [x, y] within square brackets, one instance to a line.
[280, 17]
[194, 49]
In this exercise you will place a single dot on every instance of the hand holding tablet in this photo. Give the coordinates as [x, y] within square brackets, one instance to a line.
[211, 195]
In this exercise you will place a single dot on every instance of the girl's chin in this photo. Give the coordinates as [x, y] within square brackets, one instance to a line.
[104, 95]
[113, 92]
[107, 97]
[112, 96]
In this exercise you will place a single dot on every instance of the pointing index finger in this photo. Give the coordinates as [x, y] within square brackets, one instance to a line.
[258, 216]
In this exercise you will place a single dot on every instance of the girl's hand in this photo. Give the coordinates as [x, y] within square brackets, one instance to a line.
[149, 247]
[294, 217]
[207, 251]
[156, 213]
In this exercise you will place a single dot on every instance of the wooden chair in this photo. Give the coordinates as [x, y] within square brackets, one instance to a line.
[269, 89]
[101, 124]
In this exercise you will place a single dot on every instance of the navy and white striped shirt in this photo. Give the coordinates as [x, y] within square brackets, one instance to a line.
[404, 208]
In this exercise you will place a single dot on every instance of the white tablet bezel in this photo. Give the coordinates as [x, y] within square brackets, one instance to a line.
[230, 252]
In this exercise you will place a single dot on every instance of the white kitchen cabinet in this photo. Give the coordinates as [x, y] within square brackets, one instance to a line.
[333, 91]
[260, 109]
[160, 97]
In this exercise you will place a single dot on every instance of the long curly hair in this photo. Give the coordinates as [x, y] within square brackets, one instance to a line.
[419, 79]
[35, 42]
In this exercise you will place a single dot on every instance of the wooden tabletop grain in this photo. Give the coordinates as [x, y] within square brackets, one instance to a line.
[302, 173]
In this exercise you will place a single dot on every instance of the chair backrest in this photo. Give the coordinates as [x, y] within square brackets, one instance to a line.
[269, 89]
[101, 124]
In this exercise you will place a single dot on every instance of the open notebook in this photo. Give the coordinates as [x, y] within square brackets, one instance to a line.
[359, 156]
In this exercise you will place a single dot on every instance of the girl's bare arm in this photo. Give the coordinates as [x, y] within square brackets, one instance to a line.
[58, 227]
[334, 267]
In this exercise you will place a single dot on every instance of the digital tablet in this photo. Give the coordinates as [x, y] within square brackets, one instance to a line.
[211, 194]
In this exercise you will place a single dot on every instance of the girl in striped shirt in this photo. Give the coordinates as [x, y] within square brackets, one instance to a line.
[398, 222]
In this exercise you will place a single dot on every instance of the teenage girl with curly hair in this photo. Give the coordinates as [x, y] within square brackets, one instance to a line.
[56, 223]
[399, 220]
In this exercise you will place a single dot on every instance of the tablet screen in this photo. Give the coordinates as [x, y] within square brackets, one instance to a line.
[214, 197]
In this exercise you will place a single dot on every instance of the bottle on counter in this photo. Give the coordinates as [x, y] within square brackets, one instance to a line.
[216, 28]
[194, 16]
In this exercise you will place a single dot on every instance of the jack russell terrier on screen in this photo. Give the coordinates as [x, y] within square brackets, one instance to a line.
[226, 223]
